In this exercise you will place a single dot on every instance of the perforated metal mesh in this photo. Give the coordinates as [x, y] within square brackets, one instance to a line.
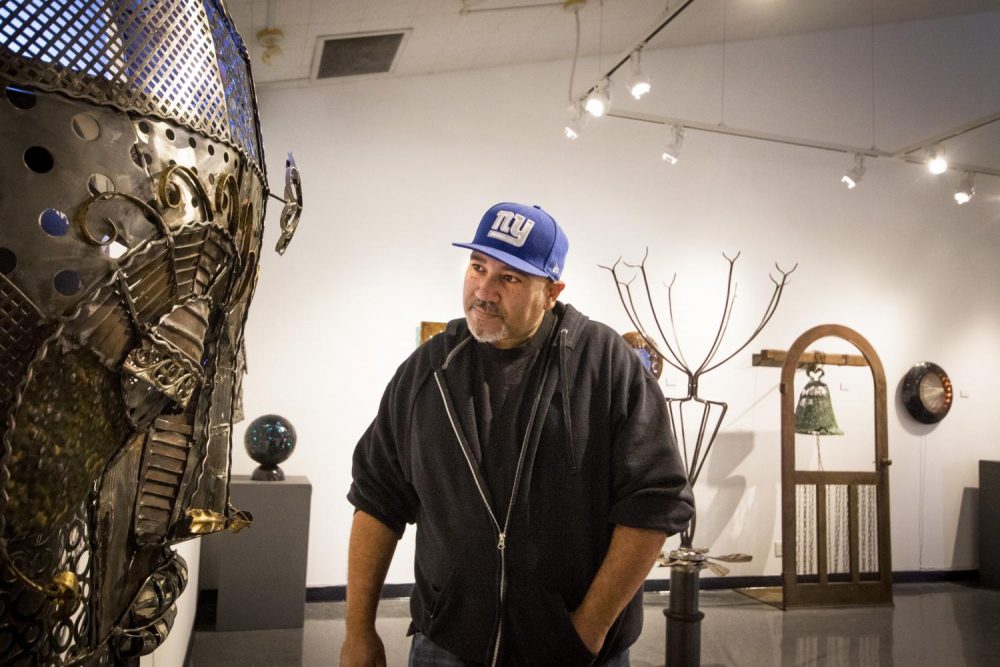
[180, 60]
[20, 327]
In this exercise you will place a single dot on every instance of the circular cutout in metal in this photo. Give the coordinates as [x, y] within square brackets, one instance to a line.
[86, 126]
[8, 260]
[38, 160]
[55, 223]
[20, 98]
[67, 282]
[99, 184]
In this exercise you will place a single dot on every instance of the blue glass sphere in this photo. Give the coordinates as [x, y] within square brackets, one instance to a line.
[270, 439]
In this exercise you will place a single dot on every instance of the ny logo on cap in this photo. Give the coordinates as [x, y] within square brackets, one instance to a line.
[512, 228]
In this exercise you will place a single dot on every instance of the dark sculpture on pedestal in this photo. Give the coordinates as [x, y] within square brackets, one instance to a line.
[269, 440]
[132, 196]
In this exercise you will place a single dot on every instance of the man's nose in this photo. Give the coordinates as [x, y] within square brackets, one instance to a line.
[487, 289]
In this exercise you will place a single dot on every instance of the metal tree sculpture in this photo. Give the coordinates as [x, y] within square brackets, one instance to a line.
[711, 411]
[683, 617]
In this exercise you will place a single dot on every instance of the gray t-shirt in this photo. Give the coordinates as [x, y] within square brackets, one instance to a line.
[506, 383]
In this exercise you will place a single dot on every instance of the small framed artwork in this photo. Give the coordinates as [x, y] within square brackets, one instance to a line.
[430, 329]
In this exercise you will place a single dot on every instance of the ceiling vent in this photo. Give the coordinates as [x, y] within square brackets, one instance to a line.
[357, 55]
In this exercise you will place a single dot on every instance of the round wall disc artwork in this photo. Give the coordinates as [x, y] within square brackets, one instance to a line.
[927, 392]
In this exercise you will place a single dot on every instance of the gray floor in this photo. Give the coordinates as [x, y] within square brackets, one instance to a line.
[941, 624]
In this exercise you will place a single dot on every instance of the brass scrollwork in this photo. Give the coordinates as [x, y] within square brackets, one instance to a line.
[164, 190]
[63, 588]
[227, 196]
[204, 522]
[149, 213]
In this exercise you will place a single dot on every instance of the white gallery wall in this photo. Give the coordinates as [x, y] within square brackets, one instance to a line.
[396, 169]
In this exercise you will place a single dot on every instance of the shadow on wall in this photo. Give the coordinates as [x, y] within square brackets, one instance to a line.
[728, 514]
[964, 555]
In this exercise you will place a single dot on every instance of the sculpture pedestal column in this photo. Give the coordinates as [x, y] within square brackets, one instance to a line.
[683, 615]
[260, 572]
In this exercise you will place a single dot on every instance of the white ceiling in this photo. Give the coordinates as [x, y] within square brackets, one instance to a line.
[455, 35]
[447, 35]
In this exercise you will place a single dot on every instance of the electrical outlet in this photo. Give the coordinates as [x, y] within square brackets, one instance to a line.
[777, 549]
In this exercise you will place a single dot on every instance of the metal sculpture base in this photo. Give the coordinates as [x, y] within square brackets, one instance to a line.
[268, 474]
[683, 615]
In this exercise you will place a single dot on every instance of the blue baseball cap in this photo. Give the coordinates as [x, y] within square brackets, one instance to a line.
[523, 237]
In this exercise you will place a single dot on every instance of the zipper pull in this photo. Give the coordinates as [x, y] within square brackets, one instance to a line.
[501, 543]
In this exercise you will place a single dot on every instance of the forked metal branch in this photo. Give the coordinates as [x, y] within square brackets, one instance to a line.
[712, 412]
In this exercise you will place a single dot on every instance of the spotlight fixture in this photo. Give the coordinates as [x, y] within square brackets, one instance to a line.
[576, 123]
[672, 151]
[638, 83]
[599, 100]
[937, 163]
[966, 189]
[573, 129]
[854, 175]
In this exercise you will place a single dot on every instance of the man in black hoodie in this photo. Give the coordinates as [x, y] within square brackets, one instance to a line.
[533, 451]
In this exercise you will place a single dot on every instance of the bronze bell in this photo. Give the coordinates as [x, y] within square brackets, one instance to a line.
[814, 413]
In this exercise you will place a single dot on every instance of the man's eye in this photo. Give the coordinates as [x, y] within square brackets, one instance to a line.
[510, 278]
[478, 268]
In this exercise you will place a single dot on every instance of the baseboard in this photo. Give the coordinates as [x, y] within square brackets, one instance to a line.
[338, 593]
[932, 576]
[715, 583]
[900, 577]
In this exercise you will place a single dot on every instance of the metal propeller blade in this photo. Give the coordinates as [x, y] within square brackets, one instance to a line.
[733, 558]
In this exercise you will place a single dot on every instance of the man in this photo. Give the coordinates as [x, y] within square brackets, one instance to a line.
[532, 450]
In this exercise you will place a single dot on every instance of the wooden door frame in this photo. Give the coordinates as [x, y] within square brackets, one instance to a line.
[856, 591]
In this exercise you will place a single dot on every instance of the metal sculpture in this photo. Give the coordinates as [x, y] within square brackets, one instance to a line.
[132, 198]
[686, 563]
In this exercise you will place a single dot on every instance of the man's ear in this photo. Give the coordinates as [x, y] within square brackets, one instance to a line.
[553, 290]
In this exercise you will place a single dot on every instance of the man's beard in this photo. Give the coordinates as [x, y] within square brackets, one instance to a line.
[479, 331]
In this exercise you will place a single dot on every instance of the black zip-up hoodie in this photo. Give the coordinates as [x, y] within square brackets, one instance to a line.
[599, 453]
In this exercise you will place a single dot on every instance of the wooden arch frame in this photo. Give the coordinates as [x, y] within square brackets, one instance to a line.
[823, 591]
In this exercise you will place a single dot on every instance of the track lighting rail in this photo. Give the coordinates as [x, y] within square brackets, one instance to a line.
[907, 154]
[661, 23]
[951, 134]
